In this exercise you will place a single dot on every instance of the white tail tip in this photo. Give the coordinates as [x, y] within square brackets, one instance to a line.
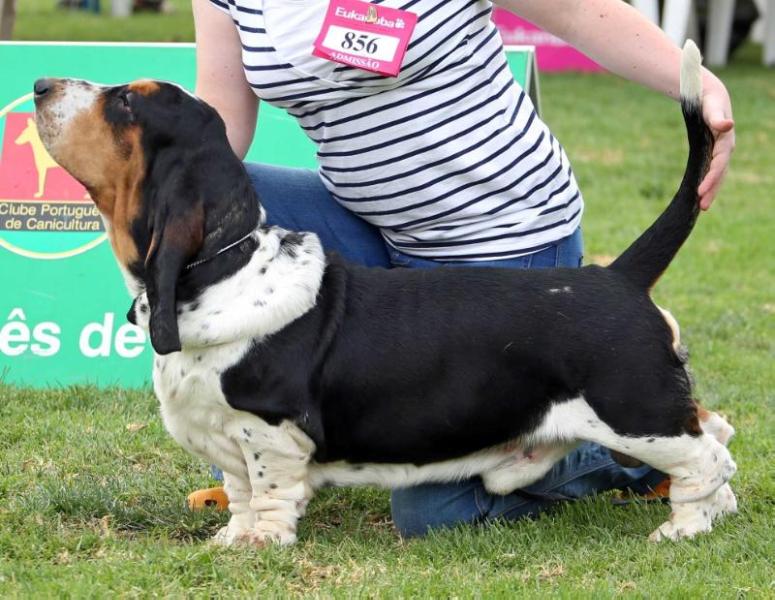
[691, 73]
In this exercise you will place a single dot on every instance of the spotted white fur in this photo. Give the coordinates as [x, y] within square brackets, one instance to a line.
[272, 290]
[269, 475]
[264, 466]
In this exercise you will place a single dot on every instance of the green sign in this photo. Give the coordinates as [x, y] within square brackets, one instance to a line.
[63, 301]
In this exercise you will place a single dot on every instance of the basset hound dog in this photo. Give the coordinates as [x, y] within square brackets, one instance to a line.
[291, 369]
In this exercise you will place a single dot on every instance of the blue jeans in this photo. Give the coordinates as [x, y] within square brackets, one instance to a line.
[296, 199]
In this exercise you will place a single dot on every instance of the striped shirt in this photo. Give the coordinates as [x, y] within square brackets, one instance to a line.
[449, 159]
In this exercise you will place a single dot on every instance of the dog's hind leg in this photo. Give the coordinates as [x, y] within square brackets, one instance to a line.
[719, 503]
[698, 464]
[714, 424]
[722, 501]
[689, 518]
[277, 490]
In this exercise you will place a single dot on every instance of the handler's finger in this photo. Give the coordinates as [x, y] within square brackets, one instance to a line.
[721, 124]
[719, 164]
[717, 109]
[723, 132]
[710, 186]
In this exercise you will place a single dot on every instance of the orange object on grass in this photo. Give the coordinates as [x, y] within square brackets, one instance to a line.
[209, 498]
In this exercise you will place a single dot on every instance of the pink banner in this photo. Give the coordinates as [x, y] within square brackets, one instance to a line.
[552, 53]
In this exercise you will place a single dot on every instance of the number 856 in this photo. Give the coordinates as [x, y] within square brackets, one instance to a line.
[359, 42]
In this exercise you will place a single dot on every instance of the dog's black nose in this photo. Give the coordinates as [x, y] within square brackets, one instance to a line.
[42, 87]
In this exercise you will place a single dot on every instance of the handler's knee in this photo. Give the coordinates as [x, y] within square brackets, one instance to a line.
[419, 509]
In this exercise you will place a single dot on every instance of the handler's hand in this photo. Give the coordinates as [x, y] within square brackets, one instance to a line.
[717, 112]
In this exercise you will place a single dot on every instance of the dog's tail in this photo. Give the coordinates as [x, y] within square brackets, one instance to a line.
[648, 257]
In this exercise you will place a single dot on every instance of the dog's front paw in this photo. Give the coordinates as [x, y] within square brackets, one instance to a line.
[272, 532]
[259, 536]
[227, 536]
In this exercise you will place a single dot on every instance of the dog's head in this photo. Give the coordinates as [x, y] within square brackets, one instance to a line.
[158, 165]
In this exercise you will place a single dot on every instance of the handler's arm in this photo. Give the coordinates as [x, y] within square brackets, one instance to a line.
[220, 80]
[618, 37]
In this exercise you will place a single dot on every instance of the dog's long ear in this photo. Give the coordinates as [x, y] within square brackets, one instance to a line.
[178, 230]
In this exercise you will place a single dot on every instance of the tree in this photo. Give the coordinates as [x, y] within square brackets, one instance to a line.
[7, 17]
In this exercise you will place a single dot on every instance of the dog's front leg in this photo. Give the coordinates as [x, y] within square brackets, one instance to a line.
[277, 467]
[243, 517]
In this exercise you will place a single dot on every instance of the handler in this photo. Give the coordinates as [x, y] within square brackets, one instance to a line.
[446, 163]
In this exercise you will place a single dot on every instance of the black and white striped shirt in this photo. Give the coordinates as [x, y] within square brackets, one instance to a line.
[449, 159]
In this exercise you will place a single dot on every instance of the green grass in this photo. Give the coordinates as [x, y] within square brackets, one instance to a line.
[38, 20]
[91, 508]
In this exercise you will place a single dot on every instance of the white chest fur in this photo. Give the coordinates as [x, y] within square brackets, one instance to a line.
[218, 328]
[188, 386]
[273, 289]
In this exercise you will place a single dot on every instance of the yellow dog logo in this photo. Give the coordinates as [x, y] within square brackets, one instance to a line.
[43, 160]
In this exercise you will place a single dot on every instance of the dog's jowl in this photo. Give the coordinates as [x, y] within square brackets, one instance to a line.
[291, 369]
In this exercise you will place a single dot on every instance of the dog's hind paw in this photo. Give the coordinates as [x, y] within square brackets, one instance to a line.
[723, 502]
[690, 518]
[674, 531]
[686, 527]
